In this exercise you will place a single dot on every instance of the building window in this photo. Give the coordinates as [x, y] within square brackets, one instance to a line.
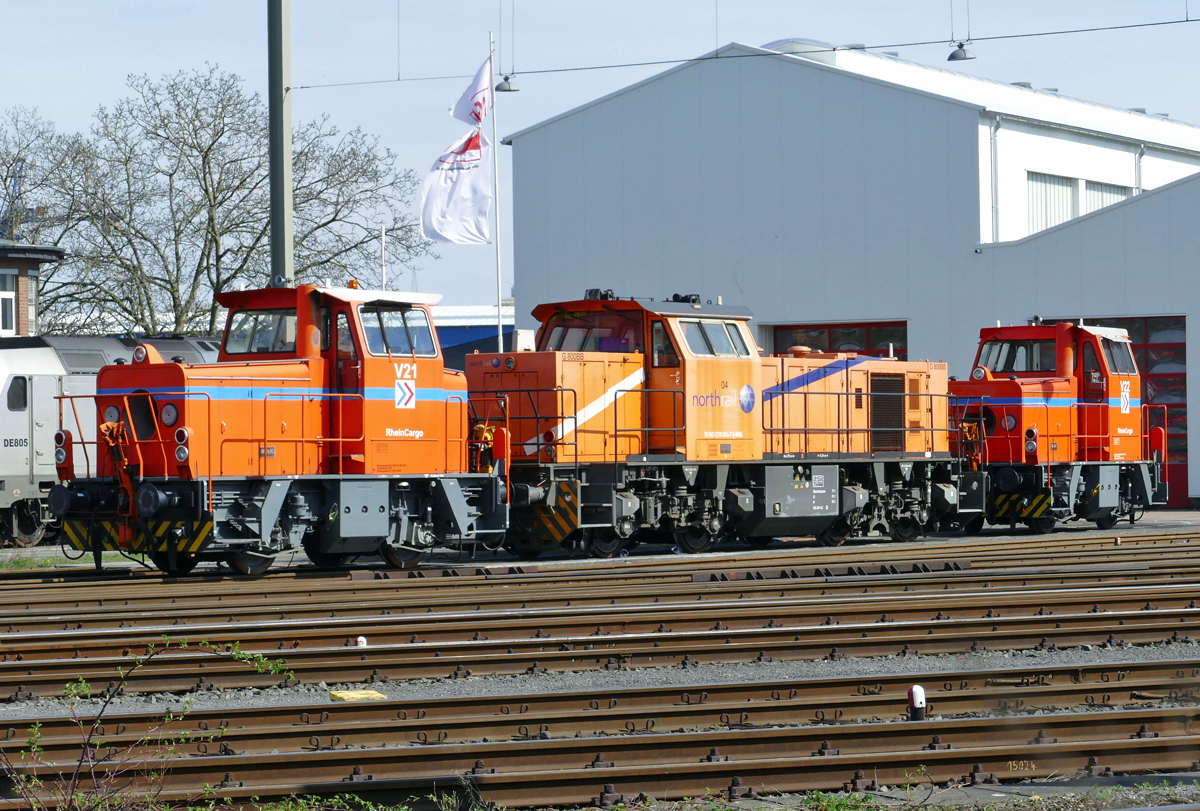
[8, 302]
[1052, 200]
[1099, 195]
[871, 338]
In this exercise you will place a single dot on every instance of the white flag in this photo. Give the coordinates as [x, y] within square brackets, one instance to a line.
[476, 101]
[458, 193]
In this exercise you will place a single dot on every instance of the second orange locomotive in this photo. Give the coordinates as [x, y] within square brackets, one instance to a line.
[662, 421]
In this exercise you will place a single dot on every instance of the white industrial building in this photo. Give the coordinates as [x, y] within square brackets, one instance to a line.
[857, 201]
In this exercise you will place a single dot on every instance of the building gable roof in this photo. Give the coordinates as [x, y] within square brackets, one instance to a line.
[987, 95]
[734, 50]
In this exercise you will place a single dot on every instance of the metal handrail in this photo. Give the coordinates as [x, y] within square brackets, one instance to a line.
[675, 430]
[564, 416]
[775, 421]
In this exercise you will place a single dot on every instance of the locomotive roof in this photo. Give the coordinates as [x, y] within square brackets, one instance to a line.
[1028, 331]
[669, 308]
[283, 296]
[363, 296]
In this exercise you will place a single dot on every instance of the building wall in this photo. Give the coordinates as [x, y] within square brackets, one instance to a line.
[1024, 147]
[807, 194]
[1136, 258]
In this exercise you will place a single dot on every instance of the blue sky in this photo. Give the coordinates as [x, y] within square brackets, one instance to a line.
[67, 57]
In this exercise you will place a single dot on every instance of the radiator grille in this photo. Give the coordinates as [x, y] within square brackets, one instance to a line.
[887, 412]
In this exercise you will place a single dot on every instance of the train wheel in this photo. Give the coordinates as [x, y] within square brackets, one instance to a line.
[1041, 525]
[243, 561]
[325, 560]
[399, 557]
[184, 563]
[694, 540]
[27, 529]
[975, 525]
[903, 530]
[835, 534]
[1107, 522]
[603, 543]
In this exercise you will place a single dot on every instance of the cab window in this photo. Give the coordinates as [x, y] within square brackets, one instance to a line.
[18, 394]
[261, 331]
[664, 354]
[347, 356]
[714, 338]
[1120, 359]
[1018, 356]
[735, 335]
[594, 331]
[397, 331]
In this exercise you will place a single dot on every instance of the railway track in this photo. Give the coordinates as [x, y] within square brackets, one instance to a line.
[577, 762]
[600, 746]
[606, 619]
[837, 701]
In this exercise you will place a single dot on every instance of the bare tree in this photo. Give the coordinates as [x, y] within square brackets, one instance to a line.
[165, 203]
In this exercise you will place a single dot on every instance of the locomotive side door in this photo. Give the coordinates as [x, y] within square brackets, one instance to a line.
[344, 361]
[665, 409]
[1092, 421]
[43, 422]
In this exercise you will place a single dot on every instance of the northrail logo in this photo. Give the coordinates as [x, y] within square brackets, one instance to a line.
[406, 394]
[746, 398]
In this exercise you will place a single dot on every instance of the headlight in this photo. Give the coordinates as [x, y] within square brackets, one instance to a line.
[181, 453]
[60, 438]
[170, 415]
[60, 456]
[1031, 432]
[182, 435]
[139, 354]
[112, 414]
[1031, 446]
[1009, 422]
[978, 373]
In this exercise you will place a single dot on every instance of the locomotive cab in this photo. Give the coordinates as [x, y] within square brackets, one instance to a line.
[1054, 415]
[613, 377]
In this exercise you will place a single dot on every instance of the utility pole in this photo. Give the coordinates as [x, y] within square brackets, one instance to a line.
[279, 105]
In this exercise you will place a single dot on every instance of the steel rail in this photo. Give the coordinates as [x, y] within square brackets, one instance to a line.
[608, 712]
[315, 604]
[767, 608]
[1012, 550]
[188, 670]
[1010, 747]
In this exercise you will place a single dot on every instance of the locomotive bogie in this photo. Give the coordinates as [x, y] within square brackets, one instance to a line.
[327, 516]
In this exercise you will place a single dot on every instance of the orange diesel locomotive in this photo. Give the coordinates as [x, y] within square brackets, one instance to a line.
[1053, 416]
[328, 422]
[661, 421]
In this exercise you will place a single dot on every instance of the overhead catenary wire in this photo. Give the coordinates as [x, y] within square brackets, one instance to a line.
[661, 62]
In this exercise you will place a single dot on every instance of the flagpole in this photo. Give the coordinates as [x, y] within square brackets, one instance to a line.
[496, 190]
[383, 254]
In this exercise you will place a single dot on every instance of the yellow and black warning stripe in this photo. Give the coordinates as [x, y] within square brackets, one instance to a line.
[559, 517]
[83, 533]
[1005, 506]
[1037, 505]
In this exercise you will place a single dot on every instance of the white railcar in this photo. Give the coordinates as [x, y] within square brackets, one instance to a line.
[34, 373]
